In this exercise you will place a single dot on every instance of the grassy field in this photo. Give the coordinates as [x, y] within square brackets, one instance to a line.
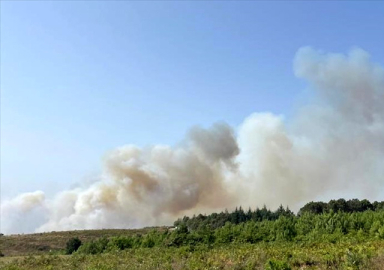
[233, 256]
[53, 242]
[346, 255]
[344, 241]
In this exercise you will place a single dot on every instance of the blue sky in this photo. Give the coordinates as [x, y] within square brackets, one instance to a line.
[79, 78]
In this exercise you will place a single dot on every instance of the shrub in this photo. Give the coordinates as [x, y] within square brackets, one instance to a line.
[276, 265]
[89, 248]
[94, 247]
[121, 242]
[73, 244]
[353, 260]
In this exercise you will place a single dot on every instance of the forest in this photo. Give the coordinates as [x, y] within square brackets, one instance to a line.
[315, 222]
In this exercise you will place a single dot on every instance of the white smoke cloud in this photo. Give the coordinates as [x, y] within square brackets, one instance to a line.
[19, 214]
[332, 147]
[153, 185]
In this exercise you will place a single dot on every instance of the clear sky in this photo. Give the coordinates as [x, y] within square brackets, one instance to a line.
[79, 78]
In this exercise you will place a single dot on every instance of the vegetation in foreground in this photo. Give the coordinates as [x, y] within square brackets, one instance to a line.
[270, 256]
[316, 238]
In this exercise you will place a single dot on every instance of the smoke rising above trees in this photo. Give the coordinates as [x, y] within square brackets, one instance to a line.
[333, 146]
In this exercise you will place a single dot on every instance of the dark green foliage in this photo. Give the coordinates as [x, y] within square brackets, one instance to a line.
[72, 245]
[179, 237]
[329, 227]
[350, 206]
[314, 225]
[277, 265]
[217, 220]
[89, 248]
[122, 242]
[314, 207]
[94, 247]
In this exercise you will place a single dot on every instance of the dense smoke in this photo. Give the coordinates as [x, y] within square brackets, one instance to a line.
[333, 147]
[23, 213]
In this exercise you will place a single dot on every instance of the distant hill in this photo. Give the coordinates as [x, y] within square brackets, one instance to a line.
[40, 243]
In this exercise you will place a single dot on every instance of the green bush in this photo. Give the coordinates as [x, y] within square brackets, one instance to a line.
[73, 245]
[121, 243]
[89, 248]
[276, 265]
[94, 247]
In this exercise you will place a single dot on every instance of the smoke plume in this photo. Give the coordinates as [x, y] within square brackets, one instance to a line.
[332, 147]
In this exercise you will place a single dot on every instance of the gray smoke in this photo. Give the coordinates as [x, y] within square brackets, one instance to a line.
[333, 147]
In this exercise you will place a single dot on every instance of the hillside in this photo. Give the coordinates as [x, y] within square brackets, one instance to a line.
[42, 243]
[345, 235]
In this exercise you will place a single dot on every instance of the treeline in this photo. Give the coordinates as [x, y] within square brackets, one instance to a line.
[308, 227]
[217, 220]
[350, 206]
